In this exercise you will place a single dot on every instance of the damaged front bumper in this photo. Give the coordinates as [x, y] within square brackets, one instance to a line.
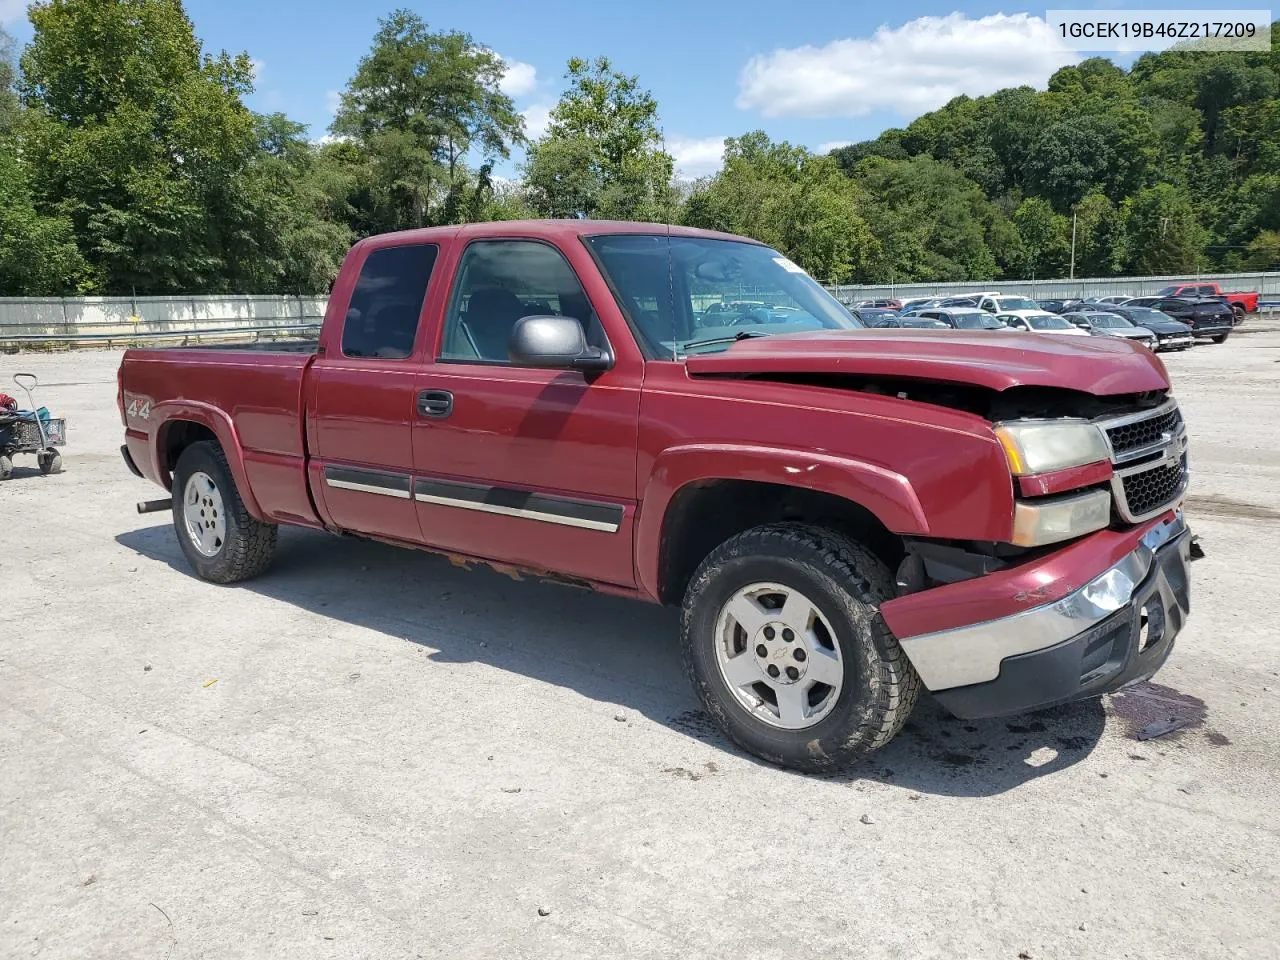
[1115, 629]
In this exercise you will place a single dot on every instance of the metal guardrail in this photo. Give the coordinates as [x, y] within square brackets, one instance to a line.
[141, 336]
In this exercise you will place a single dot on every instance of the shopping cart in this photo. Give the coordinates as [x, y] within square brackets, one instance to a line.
[30, 431]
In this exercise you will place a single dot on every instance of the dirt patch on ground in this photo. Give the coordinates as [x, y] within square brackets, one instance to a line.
[1215, 506]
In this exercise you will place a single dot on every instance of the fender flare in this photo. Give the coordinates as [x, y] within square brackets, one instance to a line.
[889, 496]
[222, 426]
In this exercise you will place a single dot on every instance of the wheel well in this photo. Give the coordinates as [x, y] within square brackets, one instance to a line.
[177, 436]
[701, 516]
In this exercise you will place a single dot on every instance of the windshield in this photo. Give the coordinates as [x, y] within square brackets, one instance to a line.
[1049, 321]
[1109, 320]
[978, 320]
[1018, 303]
[1168, 291]
[694, 293]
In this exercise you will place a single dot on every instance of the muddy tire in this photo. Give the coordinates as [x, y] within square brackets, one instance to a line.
[219, 538]
[6, 467]
[49, 462]
[786, 648]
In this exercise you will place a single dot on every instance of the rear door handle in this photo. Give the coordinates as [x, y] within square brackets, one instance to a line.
[435, 403]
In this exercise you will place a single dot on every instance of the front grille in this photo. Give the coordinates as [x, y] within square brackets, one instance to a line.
[1150, 490]
[1143, 433]
[1149, 455]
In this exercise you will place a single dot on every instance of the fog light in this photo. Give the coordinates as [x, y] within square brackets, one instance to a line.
[1052, 519]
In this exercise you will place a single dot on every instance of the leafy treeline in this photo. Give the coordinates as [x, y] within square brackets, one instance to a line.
[129, 162]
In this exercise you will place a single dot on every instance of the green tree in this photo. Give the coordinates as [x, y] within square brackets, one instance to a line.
[8, 78]
[419, 104]
[931, 222]
[140, 139]
[1045, 235]
[602, 155]
[782, 195]
[38, 254]
[1164, 233]
[1264, 251]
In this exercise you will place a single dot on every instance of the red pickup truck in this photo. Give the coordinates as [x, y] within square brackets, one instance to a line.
[845, 515]
[1240, 303]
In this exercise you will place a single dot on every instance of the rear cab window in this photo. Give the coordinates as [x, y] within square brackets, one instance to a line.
[386, 303]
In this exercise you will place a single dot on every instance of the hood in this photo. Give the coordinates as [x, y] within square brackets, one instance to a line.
[1167, 326]
[1102, 366]
[1129, 333]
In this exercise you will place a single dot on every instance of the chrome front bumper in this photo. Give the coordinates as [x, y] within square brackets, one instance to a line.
[1145, 593]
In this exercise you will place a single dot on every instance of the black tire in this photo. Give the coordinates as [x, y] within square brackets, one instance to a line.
[248, 545]
[1220, 338]
[6, 466]
[50, 462]
[847, 583]
[1239, 314]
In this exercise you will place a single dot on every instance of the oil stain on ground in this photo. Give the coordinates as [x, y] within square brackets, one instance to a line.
[1215, 506]
[1146, 708]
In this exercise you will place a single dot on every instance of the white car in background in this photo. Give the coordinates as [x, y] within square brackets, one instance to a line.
[1039, 321]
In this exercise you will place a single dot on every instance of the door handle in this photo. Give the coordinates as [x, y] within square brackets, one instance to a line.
[435, 403]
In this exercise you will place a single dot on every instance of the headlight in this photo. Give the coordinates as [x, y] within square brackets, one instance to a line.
[1042, 446]
[1053, 519]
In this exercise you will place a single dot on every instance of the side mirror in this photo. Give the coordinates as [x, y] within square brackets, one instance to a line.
[556, 343]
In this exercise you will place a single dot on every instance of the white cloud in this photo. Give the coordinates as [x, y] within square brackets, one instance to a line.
[696, 157]
[256, 65]
[911, 69]
[11, 11]
[520, 78]
[536, 120]
[833, 145]
[332, 101]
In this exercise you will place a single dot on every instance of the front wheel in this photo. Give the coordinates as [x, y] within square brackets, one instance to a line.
[6, 466]
[784, 643]
[1220, 338]
[49, 462]
[222, 541]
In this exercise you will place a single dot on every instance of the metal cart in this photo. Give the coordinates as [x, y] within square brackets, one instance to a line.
[27, 432]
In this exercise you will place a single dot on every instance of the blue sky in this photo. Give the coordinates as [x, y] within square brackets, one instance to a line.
[816, 73]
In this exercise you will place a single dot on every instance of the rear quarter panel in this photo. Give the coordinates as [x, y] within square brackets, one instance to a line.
[251, 400]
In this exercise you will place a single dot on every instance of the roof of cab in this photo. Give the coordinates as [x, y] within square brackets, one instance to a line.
[544, 229]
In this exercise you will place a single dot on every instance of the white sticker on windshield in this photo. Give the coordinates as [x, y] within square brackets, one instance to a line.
[787, 265]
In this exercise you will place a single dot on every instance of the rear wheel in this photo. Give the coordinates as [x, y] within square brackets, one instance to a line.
[784, 643]
[220, 539]
[1239, 312]
[6, 467]
[1220, 338]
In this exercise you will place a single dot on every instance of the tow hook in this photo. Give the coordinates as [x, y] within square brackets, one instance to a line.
[155, 506]
[1197, 551]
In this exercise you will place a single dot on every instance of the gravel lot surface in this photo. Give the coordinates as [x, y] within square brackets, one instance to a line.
[372, 753]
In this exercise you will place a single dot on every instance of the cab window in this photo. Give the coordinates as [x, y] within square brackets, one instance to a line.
[382, 316]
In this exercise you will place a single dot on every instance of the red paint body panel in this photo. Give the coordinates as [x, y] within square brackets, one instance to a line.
[999, 361]
[1073, 478]
[630, 439]
[1016, 589]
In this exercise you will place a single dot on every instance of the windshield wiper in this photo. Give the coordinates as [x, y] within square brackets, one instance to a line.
[712, 341]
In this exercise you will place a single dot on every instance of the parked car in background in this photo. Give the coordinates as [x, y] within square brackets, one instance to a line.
[962, 318]
[1208, 319]
[919, 303]
[1240, 303]
[1170, 334]
[1052, 306]
[999, 304]
[1038, 321]
[872, 316]
[894, 321]
[890, 303]
[1113, 300]
[1103, 324]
